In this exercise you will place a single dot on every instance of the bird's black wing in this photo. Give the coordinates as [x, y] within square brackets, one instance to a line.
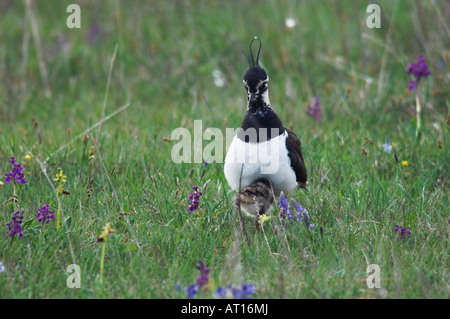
[294, 148]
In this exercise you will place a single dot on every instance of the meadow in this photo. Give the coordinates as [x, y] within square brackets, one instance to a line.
[98, 104]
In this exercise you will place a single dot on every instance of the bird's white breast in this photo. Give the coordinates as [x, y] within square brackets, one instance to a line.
[265, 159]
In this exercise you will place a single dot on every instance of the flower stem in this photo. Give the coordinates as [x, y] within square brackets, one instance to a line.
[14, 198]
[418, 115]
[102, 260]
[58, 213]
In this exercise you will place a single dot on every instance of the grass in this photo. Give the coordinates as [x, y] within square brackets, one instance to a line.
[59, 83]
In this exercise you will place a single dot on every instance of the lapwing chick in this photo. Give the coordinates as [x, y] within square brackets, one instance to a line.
[263, 148]
[256, 199]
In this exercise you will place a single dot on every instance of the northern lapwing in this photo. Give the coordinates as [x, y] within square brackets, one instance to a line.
[263, 154]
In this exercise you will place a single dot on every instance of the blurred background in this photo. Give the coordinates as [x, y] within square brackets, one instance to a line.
[180, 60]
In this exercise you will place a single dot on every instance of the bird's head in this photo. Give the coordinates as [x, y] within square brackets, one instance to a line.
[256, 81]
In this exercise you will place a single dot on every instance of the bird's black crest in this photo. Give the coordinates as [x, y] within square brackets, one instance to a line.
[251, 60]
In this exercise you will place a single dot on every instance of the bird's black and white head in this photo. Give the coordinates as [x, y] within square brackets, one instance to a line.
[256, 81]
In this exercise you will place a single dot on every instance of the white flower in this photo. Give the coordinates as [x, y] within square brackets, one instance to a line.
[219, 81]
[290, 23]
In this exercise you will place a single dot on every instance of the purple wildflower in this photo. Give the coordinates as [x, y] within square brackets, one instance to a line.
[194, 198]
[94, 35]
[419, 70]
[202, 278]
[191, 290]
[220, 292]
[45, 214]
[387, 147]
[243, 292]
[14, 226]
[16, 173]
[302, 214]
[248, 289]
[404, 232]
[315, 109]
[285, 208]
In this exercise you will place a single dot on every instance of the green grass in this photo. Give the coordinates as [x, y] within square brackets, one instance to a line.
[163, 68]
